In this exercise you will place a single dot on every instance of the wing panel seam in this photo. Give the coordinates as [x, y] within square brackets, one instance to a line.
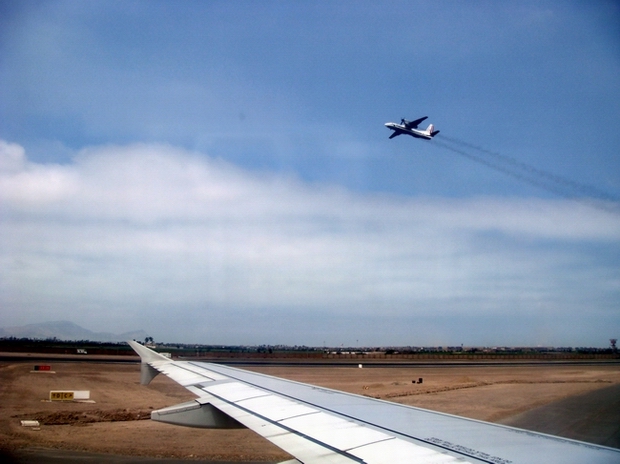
[370, 443]
[303, 414]
[290, 430]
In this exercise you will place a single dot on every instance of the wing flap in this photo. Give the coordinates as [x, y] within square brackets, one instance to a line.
[185, 373]
[310, 433]
[184, 376]
[319, 438]
[235, 391]
[303, 448]
[278, 409]
[201, 371]
[335, 431]
[401, 451]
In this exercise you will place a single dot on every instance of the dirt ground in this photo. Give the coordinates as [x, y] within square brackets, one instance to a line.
[114, 421]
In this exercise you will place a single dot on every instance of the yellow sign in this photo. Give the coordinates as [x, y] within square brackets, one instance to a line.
[61, 395]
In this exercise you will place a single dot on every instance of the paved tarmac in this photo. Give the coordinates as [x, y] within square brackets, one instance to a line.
[312, 362]
[592, 417]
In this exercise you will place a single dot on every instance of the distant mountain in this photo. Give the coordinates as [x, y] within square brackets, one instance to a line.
[65, 330]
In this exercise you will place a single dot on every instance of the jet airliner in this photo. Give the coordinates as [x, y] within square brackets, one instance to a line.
[411, 128]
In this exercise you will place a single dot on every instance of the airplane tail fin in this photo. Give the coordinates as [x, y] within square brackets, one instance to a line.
[431, 131]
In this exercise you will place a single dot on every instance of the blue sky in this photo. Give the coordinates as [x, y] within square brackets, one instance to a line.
[219, 172]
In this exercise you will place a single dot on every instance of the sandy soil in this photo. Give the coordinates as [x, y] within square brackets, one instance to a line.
[114, 422]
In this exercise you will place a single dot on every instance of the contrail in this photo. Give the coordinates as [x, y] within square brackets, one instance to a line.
[534, 176]
[583, 188]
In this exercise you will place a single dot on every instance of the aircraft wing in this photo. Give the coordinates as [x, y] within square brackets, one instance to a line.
[414, 124]
[395, 133]
[316, 424]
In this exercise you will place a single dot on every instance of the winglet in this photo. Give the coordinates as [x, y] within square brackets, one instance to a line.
[147, 372]
[146, 354]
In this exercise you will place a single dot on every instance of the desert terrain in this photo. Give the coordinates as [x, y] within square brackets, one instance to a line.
[116, 421]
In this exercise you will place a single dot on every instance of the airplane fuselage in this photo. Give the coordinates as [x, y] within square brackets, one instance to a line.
[401, 129]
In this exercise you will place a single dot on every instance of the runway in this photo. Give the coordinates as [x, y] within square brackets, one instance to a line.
[282, 362]
[593, 417]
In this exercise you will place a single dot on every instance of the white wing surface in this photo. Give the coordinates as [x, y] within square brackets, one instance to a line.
[317, 424]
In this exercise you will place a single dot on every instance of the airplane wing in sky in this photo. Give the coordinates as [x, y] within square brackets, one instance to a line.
[414, 124]
[316, 424]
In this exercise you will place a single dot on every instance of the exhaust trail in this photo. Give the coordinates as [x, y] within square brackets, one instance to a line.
[534, 176]
[576, 186]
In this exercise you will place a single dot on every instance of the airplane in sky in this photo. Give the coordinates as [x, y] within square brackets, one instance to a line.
[411, 128]
[320, 425]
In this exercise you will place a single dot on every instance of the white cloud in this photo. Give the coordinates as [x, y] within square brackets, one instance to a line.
[12, 157]
[122, 232]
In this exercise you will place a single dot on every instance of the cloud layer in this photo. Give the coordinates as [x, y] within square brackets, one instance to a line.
[193, 248]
